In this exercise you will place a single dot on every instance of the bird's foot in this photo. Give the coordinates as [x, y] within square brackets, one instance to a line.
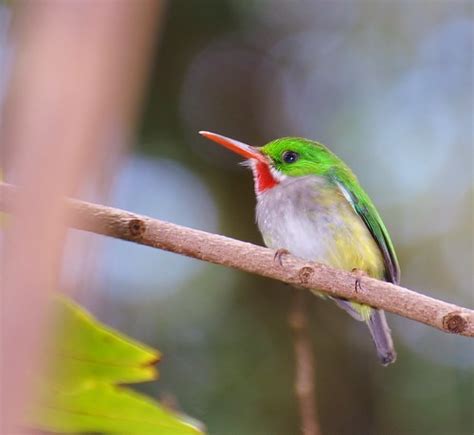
[358, 274]
[279, 253]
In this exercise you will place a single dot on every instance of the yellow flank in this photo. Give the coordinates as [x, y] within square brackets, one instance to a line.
[356, 250]
[364, 310]
[353, 246]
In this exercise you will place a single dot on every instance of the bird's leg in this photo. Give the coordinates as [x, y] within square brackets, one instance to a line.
[358, 274]
[279, 253]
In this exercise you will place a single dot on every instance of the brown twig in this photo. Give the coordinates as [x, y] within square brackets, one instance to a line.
[304, 366]
[244, 256]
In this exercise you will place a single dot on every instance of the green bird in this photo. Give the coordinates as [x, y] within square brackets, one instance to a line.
[310, 204]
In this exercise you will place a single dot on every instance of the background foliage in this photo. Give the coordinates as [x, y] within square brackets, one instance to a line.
[83, 390]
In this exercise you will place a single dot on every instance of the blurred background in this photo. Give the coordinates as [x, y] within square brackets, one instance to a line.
[388, 86]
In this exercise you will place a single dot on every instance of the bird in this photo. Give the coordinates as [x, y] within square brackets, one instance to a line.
[310, 204]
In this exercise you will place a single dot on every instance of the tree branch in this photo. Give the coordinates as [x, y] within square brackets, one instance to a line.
[305, 384]
[250, 258]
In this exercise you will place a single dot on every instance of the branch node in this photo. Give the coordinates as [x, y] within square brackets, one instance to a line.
[305, 274]
[137, 228]
[455, 322]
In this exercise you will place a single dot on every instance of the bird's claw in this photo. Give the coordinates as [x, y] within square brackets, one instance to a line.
[279, 254]
[359, 274]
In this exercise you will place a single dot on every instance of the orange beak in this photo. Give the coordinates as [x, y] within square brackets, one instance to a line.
[244, 150]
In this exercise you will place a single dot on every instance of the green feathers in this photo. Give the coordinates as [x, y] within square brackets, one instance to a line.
[313, 158]
[364, 207]
[296, 157]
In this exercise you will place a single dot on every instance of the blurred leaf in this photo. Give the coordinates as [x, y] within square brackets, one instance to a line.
[89, 351]
[109, 409]
[80, 392]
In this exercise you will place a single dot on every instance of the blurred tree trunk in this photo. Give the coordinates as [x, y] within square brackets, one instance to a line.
[77, 75]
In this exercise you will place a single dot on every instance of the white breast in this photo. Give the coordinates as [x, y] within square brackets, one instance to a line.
[312, 219]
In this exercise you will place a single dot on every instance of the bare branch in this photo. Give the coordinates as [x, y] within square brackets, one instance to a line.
[305, 384]
[250, 258]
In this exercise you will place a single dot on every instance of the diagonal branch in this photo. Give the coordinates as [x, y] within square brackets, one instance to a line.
[250, 258]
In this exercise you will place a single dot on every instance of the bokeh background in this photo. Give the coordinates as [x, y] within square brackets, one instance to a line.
[388, 86]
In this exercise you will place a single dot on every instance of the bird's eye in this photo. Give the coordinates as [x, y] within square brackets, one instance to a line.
[290, 156]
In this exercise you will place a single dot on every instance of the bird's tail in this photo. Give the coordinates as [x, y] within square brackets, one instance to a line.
[382, 337]
[378, 327]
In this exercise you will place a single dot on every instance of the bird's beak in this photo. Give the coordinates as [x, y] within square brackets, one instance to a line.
[244, 150]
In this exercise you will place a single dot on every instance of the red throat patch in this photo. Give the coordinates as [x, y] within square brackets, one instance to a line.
[263, 177]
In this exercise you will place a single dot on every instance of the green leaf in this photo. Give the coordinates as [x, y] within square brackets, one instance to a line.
[81, 391]
[108, 409]
[87, 350]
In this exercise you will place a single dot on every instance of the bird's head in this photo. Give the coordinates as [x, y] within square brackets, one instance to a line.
[282, 158]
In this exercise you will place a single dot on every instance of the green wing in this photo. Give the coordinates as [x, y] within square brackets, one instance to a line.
[364, 207]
